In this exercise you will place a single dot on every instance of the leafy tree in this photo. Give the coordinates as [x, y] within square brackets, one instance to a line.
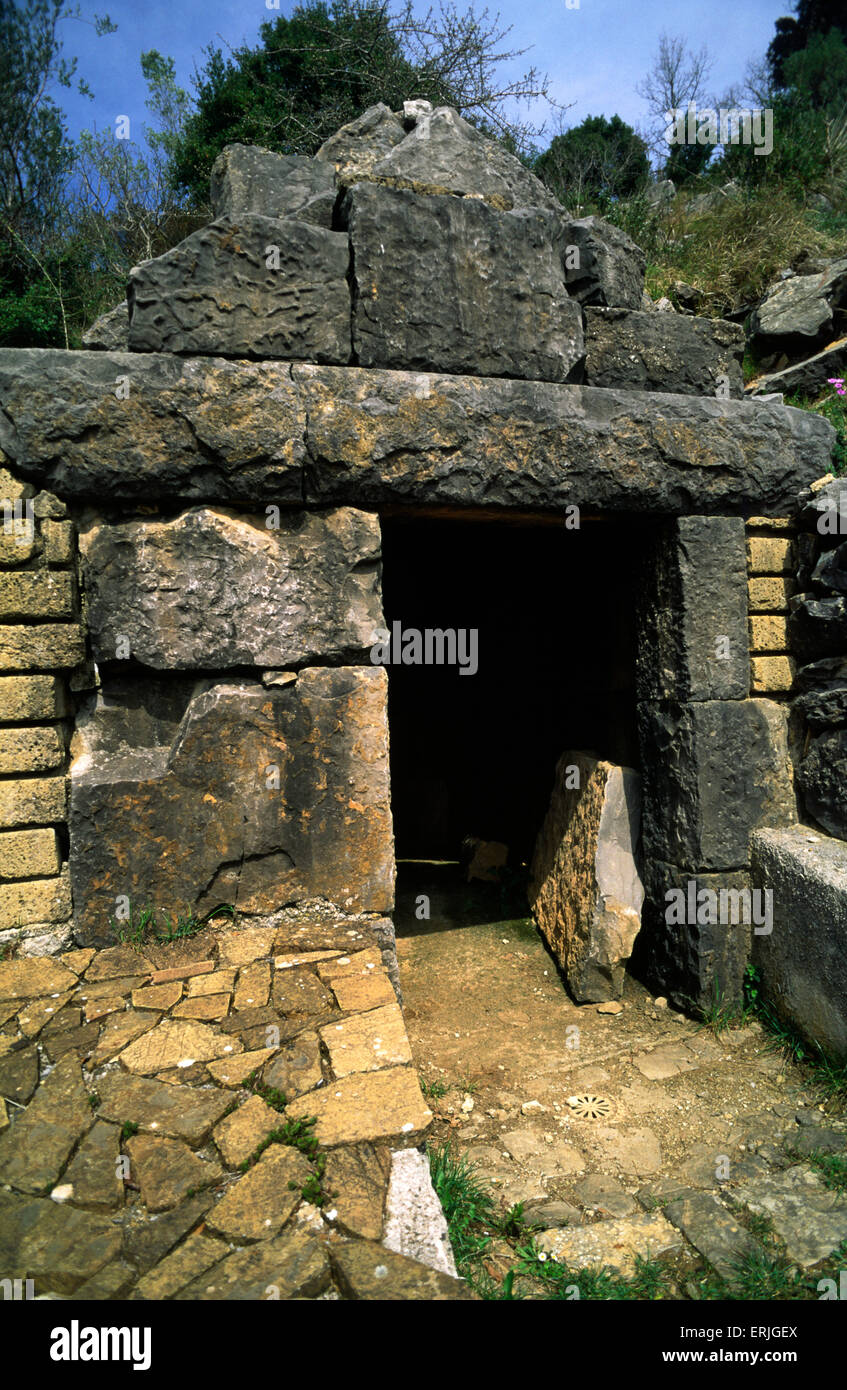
[40, 262]
[818, 73]
[794, 34]
[329, 61]
[596, 161]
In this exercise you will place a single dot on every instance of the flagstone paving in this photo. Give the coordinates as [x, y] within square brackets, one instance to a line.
[213, 1119]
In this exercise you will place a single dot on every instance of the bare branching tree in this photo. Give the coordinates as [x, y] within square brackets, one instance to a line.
[677, 77]
[464, 52]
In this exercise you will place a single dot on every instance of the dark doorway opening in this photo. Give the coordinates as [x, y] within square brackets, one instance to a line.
[473, 755]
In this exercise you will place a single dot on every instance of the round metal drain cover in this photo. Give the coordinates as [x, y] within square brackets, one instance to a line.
[589, 1106]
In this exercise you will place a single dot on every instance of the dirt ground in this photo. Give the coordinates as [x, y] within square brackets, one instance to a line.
[490, 1020]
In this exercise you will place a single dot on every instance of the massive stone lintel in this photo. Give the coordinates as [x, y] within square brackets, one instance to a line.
[259, 797]
[206, 429]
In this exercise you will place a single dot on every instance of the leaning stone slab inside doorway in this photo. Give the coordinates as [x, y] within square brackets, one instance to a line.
[585, 888]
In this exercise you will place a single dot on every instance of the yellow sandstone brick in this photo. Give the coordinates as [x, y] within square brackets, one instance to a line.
[47, 646]
[768, 633]
[772, 674]
[28, 854]
[769, 555]
[36, 594]
[770, 523]
[35, 900]
[17, 545]
[58, 542]
[31, 750]
[32, 801]
[769, 595]
[25, 699]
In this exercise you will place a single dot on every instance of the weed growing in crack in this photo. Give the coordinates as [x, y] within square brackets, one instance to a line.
[128, 1129]
[149, 924]
[276, 1099]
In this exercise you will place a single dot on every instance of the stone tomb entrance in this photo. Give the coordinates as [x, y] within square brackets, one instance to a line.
[550, 613]
[624, 636]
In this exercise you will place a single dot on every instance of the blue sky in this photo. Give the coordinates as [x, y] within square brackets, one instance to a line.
[595, 54]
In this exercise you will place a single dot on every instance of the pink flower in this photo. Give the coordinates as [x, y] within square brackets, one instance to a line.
[838, 383]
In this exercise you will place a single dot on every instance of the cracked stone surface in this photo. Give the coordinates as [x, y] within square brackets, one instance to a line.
[153, 1156]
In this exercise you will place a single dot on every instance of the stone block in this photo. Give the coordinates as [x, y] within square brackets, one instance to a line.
[367, 1042]
[27, 749]
[608, 269]
[60, 1247]
[247, 287]
[822, 692]
[712, 773]
[768, 633]
[187, 430]
[260, 1203]
[48, 646]
[33, 801]
[262, 797]
[822, 779]
[28, 854]
[36, 594]
[26, 902]
[215, 430]
[109, 332]
[358, 1175]
[24, 699]
[356, 147]
[58, 542]
[34, 1150]
[483, 292]
[700, 959]
[645, 351]
[444, 153]
[214, 588]
[612, 1244]
[796, 315]
[18, 544]
[802, 963]
[367, 1106]
[769, 555]
[585, 890]
[769, 595]
[247, 179]
[415, 1224]
[772, 674]
[817, 627]
[369, 1272]
[692, 618]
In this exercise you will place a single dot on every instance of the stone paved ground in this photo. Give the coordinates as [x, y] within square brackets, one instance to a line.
[149, 1102]
[696, 1132]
